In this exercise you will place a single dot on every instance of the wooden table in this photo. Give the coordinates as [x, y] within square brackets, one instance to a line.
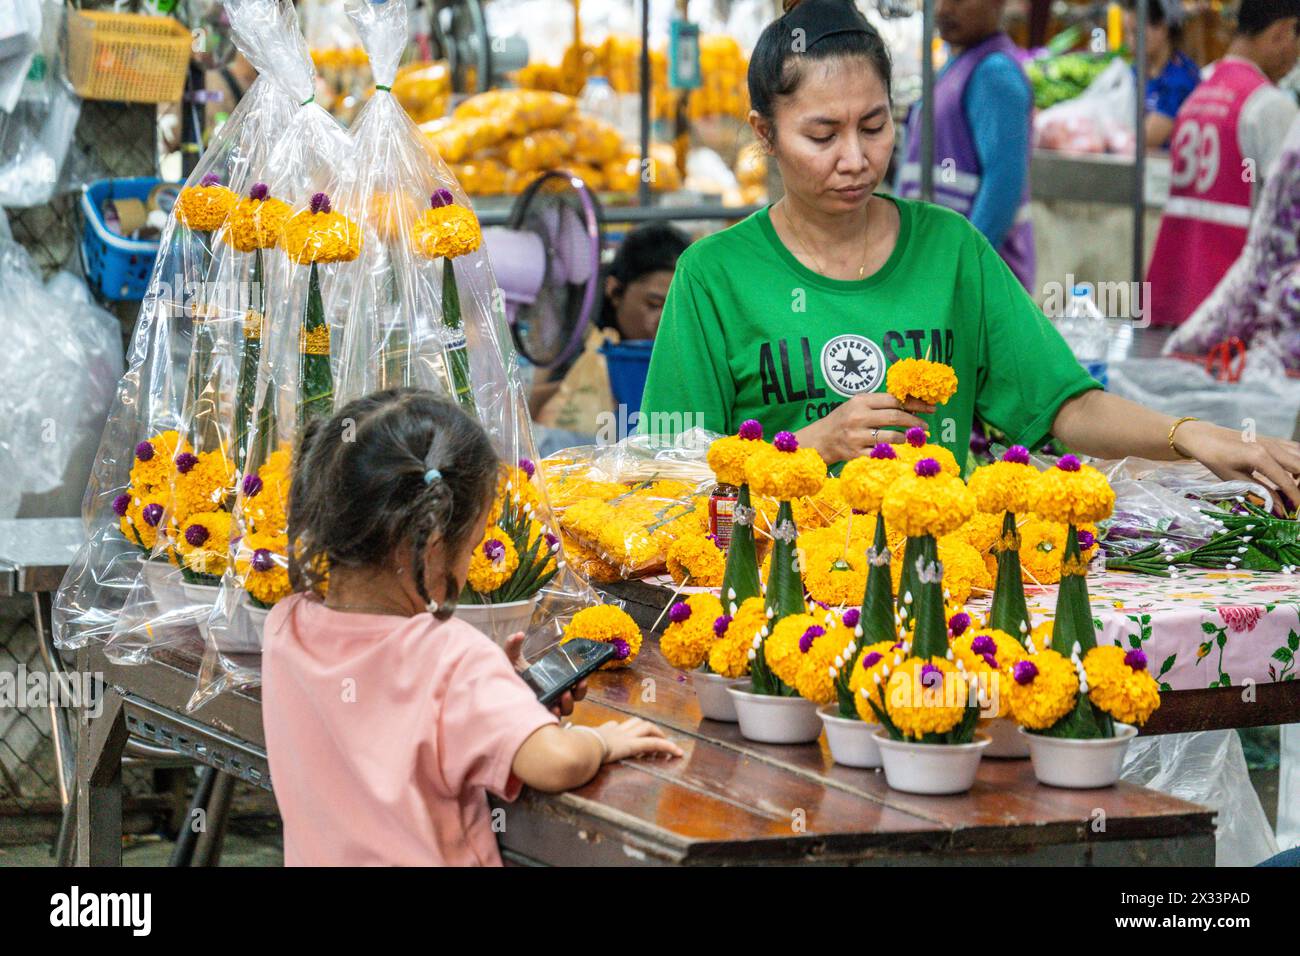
[728, 801]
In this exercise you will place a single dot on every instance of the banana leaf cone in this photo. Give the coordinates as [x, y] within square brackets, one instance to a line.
[457, 354]
[740, 576]
[930, 639]
[907, 583]
[784, 598]
[1073, 625]
[316, 381]
[877, 620]
[1009, 612]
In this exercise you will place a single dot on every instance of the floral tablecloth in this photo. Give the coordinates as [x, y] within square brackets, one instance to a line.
[1203, 629]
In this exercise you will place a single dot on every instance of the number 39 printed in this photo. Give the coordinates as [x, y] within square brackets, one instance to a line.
[1195, 152]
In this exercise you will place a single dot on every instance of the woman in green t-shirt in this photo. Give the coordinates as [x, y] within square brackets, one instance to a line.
[792, 316]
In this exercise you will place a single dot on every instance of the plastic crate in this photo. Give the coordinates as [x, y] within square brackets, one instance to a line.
[629, 365]
[127, 57]
[117, 268]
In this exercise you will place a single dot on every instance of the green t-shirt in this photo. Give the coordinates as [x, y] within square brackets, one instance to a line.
[749, 332]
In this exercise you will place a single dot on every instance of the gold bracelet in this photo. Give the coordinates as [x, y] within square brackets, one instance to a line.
[1174, 427]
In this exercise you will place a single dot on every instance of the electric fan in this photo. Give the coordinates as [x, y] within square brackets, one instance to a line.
[478, 61]
[547, 263]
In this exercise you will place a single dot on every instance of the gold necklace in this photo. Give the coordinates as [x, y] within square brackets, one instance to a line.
[862, 269]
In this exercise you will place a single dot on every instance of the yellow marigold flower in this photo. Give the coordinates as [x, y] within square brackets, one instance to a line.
[789, 641]
[317, 234]
[785, 471]
[1042, 689]
[815, 679]
[154, 460]
[201, 483]
[728, 455]
[931, 382]
[1120, 684]
[917, 446]
[140, 515]
[257, 221]
[609, 625]
[988, 656]
[696, 558]
[1072, 493]
[446, 229]
[262, 567]
[833, 575]
[278, 462]
[690, 633]
[203, 208]
[729, 655]
[927, 501]
[1003, 486]
[982, 531]
[864, 481]
[204, 542]
[494, 561]
[964, 569]
[515, 486]
[875, 661]
[587, 562]
[1041, 633]
[1042, 546]
[926, 697]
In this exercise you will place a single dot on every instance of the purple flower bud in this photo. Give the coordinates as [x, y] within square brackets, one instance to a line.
[720, 625]
[810, 635]
[851, 617]
[958, 623]
[320, 203]
[1018, 454]
[858, 511]
[252, 485]
[681, 611]
[916, 436]
[1136, 659]
[120, 504]
[883, 450]
[983, 644]
[259, 192]
[751, 429]
[493, 549]
[979, 443]
[211, 179]
[870, 660]
[262, 560]
[1086, 540]
[927, 468]
[441, 197]
[196, 534]
[152, 514]
[552, 541]
[527, 467]
[1024, 672]
[931, 677]
[1068, 463]
[622, 647]
[785, 441]
[990, 660]
[185, 462]
[144, 451]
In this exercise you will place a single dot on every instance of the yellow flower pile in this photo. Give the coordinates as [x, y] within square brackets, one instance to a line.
[262, 567]
[1072, 493]
[931, 382]
[927, 501]
[609, 625]
[203, 208]
[1042, 689]
[447, 229]
[729, 455]
[1120, 684]
[864, 481]
[729, 655]
[690, 634]
[494, 561]
[256, 221]
[785, 471]
[815, 678]
[964, 569]
[204, 542]
[317, 234]
[632, 533]
[1003, 486]
[696, 558]
[785, 647]
[587, 562]
[870, 671]
[926, 697]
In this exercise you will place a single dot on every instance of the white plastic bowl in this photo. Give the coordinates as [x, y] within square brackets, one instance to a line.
[499, 621]
[711, 692]
[1079, 764]
[768, 719]
[930, 768]
[852, 741]
[164, 583]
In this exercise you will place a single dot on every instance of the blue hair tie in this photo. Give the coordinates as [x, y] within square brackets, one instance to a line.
[432, 475]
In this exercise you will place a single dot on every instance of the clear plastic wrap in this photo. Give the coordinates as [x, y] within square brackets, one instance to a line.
[171, 421]
[1099, 120]
[1209, 768]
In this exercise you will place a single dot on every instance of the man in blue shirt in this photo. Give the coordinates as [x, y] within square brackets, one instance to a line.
[1171, 73]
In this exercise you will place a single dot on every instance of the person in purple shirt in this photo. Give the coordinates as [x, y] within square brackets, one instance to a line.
[1171, 73]
[982, 121]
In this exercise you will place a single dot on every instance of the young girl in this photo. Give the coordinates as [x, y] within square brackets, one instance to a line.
[388, 720]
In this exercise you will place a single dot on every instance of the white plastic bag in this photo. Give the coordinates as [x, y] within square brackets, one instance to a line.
[1098, 120]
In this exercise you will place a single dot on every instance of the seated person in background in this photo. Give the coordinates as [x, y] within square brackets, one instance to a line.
[1171, 73]
[388, 721]
[572, 396]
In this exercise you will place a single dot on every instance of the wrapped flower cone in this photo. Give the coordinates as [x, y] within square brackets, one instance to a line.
[740, 576]
[1009, 612]
[877, 616]
[930, 639]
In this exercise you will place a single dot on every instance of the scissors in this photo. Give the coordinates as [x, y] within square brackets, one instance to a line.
[1226, 360]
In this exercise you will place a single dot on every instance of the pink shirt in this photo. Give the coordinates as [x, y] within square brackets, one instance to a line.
[385, 735]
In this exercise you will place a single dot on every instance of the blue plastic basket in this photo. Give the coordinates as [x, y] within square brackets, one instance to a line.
[116, 268]
[628, 364]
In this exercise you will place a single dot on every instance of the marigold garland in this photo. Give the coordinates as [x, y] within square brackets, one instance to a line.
[930, 382]
[1043, 688]
[689, 636]
[964, 569]
[1072, 493]
[587, 562]
[1120, 684]
[831, 574]
[926, 697]
[609, 625]
[696, 558]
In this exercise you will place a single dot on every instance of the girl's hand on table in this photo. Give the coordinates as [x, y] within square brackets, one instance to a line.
[1274, 462]
[635, 737]
[855, 427]
[562, 707]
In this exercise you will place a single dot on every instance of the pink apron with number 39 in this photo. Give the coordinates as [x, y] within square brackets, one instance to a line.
[1206, 219]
